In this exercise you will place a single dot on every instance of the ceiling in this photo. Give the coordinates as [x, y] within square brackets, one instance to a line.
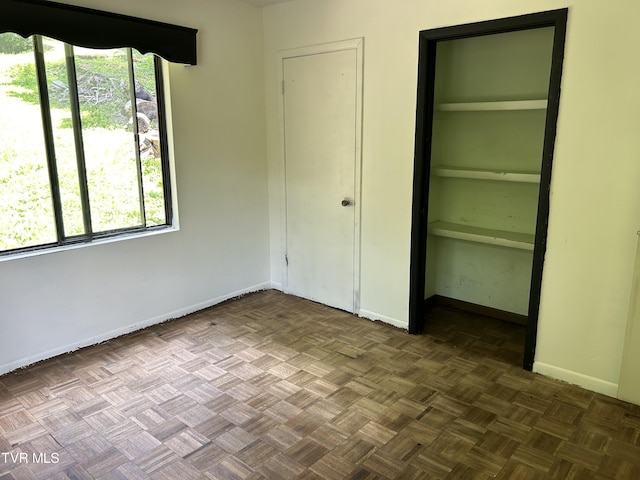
[264, 3]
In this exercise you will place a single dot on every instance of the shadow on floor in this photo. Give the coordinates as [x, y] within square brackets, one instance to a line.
[477, 334]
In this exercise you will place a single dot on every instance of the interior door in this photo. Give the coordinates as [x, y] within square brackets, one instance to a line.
[320, 105]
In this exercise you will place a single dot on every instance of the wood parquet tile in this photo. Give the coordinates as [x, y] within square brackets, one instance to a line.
[270, 386]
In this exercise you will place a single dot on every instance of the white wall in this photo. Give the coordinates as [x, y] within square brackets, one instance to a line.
[54, 302]
[59, 300]
[595, 202]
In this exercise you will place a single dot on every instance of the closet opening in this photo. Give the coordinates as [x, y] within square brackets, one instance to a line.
[487, 105]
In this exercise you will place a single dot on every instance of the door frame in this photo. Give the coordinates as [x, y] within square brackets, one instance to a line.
[356, 44]
[428, 40]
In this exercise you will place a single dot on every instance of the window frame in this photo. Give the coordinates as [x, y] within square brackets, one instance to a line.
[90, 236]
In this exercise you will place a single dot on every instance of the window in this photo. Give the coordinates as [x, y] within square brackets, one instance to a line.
[82, 143]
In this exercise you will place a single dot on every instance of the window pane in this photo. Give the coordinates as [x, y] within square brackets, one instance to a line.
[109, 145]
[26, 208]
[64, 141]
[143, 66]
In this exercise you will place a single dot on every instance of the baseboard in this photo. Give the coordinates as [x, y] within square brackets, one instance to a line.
[590, 383]
[383, 318]
[24, 362]
[361, 313]
[439, 300]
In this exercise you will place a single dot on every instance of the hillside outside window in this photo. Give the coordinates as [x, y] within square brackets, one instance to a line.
[82, 143]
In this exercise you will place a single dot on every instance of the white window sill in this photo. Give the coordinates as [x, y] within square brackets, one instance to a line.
[100, 241]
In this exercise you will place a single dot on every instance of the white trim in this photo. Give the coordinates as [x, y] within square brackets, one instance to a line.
[168, 113]
[23, 362]
[590, 383]
[356, 44]
[383, 318]
[349, 44]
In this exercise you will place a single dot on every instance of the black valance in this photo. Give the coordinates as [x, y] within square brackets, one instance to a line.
[91, 28]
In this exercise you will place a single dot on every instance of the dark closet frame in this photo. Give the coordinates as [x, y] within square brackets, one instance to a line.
[422, 160]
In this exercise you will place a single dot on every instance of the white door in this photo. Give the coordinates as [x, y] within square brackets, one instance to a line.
[321, 146]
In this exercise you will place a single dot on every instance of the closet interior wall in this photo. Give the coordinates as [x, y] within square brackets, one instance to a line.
[490, 99]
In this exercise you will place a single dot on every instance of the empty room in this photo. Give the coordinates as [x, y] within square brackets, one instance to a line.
[319, 239]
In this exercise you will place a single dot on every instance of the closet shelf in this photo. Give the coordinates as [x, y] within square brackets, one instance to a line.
[486, 174]
[523, 241]
[489, 106]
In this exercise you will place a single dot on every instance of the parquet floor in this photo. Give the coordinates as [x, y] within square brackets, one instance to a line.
[277, 387]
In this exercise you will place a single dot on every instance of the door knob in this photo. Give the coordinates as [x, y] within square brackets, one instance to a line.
[346, 202]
